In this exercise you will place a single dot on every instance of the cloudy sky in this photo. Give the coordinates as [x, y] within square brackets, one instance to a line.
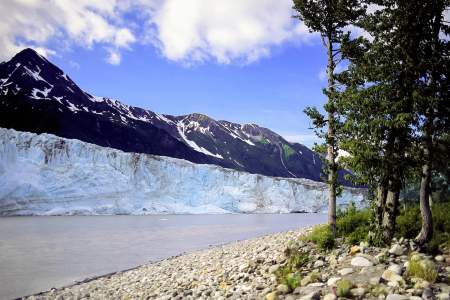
[245, 61]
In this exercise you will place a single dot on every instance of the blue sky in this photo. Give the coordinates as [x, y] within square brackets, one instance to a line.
[244, 61]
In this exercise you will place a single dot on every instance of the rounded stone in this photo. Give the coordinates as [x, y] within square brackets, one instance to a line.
[360, 261]
[396, 269]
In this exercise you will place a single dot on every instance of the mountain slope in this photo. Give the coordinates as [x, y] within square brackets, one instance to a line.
[37, 96]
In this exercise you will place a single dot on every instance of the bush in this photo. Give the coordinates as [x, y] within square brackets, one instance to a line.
[353, 224]
[424, 269]
[322, 237]
[408, 224]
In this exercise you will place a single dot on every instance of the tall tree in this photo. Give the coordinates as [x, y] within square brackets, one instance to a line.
[432, 105]
[378, 104]
[329, 18]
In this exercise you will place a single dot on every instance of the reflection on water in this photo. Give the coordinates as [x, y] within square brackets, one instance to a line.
[37, 253]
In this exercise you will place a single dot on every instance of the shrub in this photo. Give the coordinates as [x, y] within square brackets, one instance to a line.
[424, 269]
[353, 224]
[408, 224]
[343, 287]
[288, 274]
[298, 260]
[292, 280]
[322, 237]
[360, 234]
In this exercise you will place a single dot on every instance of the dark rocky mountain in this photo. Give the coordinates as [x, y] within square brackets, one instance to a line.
[37, 96]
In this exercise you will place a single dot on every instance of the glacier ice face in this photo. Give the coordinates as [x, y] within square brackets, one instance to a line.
[48, 175]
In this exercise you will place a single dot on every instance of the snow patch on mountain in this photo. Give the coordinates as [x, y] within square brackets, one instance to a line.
[47, 175]
[35, 93]
[181, 130]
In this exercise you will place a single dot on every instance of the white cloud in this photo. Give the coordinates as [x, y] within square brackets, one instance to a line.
[74, 65]
[114, 57]
[322, 74]
[35, 23]
[224, 31]
[186, 31]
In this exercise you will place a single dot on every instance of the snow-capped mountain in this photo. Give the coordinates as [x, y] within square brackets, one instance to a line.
[37, 96]
[48, 175]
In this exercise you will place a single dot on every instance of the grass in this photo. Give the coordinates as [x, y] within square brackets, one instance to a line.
[288, 274]
[424, 269]
[343, 287]
[315, 276]
[322, 237]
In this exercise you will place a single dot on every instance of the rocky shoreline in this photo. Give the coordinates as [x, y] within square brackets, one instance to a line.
[248, 270]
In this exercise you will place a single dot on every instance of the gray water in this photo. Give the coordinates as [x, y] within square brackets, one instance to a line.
[38, 253]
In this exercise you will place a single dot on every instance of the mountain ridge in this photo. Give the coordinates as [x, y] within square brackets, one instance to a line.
[37, 96]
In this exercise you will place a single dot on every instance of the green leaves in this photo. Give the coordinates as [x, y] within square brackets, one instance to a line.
[316, 117]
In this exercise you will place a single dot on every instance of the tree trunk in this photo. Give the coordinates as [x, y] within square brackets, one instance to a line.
[427, 221]
[380, 204]
[331, 140]
[393, 188]
[390, 210]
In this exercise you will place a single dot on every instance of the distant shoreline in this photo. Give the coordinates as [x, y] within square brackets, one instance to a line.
[165, 215]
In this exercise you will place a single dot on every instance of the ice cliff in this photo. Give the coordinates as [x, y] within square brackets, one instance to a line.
[48, 175]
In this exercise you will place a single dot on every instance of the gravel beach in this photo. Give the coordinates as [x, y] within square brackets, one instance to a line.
[239, 270]
[246, 270]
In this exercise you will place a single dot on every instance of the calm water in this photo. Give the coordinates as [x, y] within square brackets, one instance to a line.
[37, 253]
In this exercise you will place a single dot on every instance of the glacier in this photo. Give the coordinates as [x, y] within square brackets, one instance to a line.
[49, 175]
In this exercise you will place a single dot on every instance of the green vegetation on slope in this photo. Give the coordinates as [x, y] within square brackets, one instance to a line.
[288, 151]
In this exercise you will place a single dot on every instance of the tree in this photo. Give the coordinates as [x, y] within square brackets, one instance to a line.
[432, 105]
[329, 18]
[379, 101]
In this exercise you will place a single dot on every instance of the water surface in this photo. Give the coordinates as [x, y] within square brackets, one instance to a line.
[38, 253]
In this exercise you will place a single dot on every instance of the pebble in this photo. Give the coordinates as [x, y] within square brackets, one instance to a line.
[318, 263]
[358, 292]
[346, 271]
[443, 296]
[361, 262]
[329, 297]
[283, 289]
[396, 297]
[427, 294]
[374, 280]
[396, 269]
[271, 296]
[391, 276]
[397, 250]
[332, 281]
[311, 296]
[439, 258]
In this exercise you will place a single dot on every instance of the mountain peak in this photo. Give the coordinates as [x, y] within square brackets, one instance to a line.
[198, 116]
[29, 55]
